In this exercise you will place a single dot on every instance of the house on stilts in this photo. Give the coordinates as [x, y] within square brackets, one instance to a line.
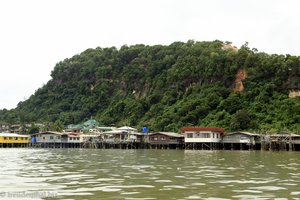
[205, 138]
[165, 140]
[241, 140]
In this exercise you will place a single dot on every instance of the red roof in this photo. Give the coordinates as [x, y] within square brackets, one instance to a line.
[213, 129]
[74, 134]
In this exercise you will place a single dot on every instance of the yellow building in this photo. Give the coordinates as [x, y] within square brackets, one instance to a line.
[13, 138]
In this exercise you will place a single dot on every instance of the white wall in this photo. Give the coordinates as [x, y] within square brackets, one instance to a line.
[197, 136]
[47, 138]
[75, 139]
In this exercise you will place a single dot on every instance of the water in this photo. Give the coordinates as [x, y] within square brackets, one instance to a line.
[148, 174]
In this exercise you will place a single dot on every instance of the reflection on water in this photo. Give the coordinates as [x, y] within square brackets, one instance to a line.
[148, 174]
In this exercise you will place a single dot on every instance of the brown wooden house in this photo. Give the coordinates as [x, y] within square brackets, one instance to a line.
[165, 139]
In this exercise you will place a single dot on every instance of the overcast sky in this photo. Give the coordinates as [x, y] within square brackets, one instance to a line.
[35, 34]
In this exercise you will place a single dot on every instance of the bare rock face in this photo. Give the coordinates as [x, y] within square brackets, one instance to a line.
[229, 47]
[294, 93]
[238, 83]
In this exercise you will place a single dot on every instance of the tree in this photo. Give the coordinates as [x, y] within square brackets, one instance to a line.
[33, 129]
[241, 120]
[167, 87]
[58, 126]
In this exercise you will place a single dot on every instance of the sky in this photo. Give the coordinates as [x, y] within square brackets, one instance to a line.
[35, 34]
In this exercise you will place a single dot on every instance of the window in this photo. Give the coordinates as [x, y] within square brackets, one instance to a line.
[5, 138]
[78, 138]
[213, 135]
[205, 135]
[44, 138]
[58, 137]
[51, 137]
[189, 135]
[155, 138]
[10, 138]
[15, 138]
[163, 138]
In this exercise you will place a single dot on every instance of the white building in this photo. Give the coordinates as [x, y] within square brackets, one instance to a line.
[56, 137]
[122, 134]
[202, 134]
[50, 137]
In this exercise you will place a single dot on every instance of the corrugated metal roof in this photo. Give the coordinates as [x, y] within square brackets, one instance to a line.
[243, 132]
[170, 134]
[127, 128]
[284, 135]
[115, 132]
[50, 132]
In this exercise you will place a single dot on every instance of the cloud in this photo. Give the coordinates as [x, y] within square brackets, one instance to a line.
[35, 34]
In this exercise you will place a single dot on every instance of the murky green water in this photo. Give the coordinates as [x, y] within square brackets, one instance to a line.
[148, 174]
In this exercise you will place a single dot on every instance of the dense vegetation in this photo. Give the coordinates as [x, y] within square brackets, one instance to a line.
[167, 87]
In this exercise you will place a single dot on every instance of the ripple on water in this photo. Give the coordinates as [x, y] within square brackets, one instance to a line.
[110, 179]
[198, 184]
[129, 193]
[138, 166]
[193, 197]
[149, 174]
[131, 186]
[113, 188]
[268, 188]
[131, 198]
[290, 184]
[295, 193]
[72, 193]
[163, 181]
[175, 186]
[243, 181]
[258, 197]
[179, 176]
[248, 191]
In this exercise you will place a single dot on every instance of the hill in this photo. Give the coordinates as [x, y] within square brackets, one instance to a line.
[167, 87]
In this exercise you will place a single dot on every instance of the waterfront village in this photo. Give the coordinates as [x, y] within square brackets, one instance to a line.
[92, 135]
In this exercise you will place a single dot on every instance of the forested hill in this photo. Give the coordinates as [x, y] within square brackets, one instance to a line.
[167, 87]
